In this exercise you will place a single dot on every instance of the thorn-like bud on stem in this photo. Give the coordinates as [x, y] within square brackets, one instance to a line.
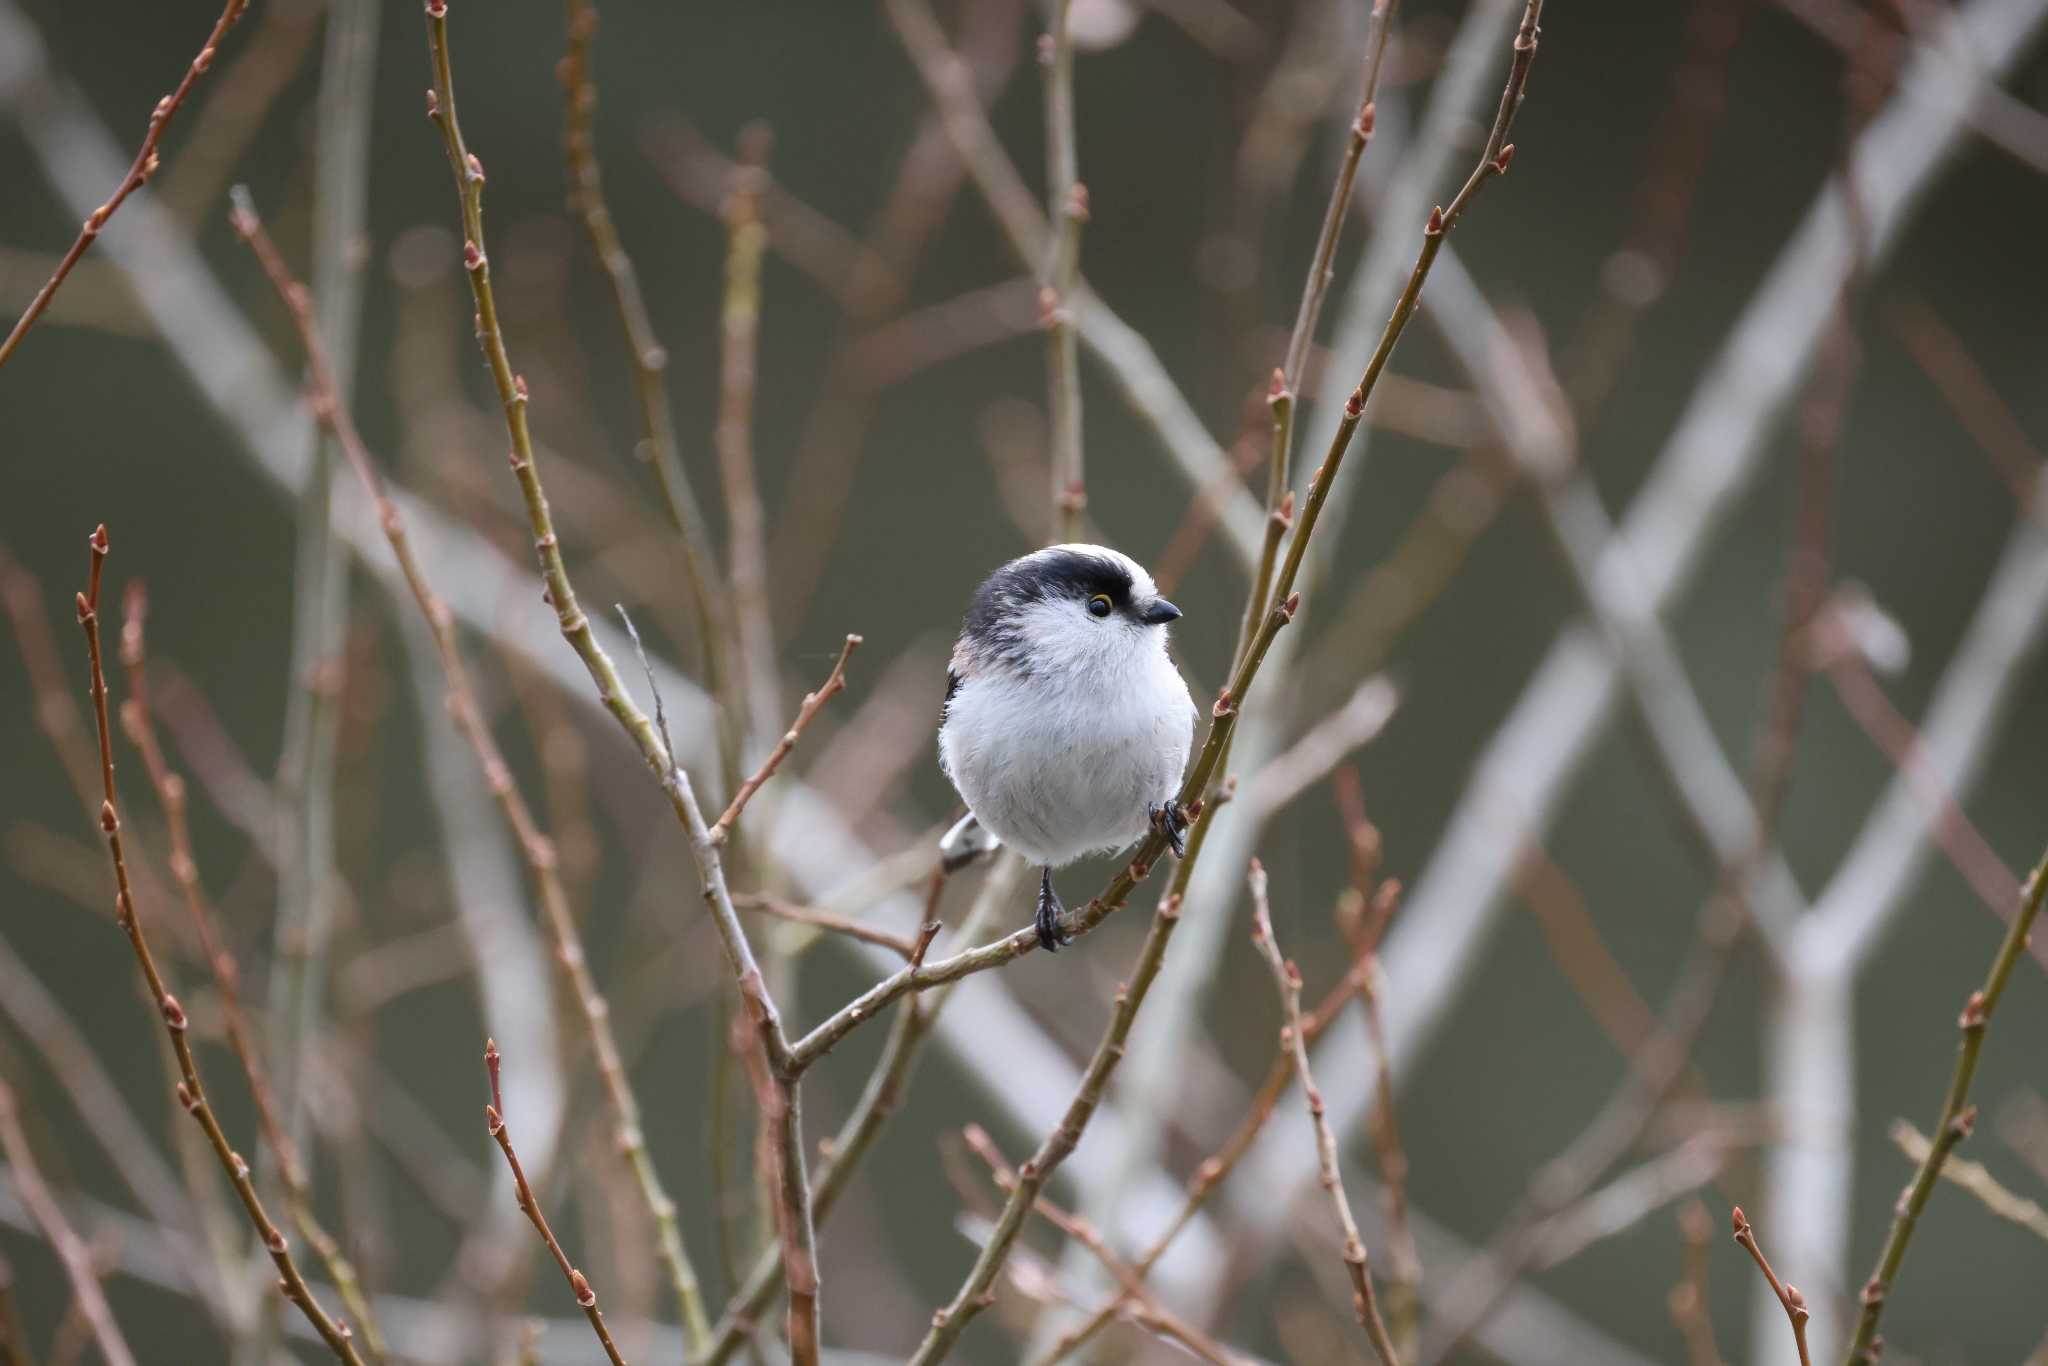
[433, 104]
[1366, 117]
[1276, 387]
[585, 1296]
[1286, 512]
[475, 168]
[1500, 164]
[1737, 1222]
[1077, 203]
[1354, 407]
[1973, 1015]
[437, 9]
[1435, 226]
[109, 822]
[174, 1014]
[472, 256]
[1964, 1124]
[494, 1123]
[84, 610]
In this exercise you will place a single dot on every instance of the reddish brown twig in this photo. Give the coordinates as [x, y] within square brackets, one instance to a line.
[170, 791]
[1363, 912]
[534, 845]
[139, 172]
[1287, 978]
[191, 1092]
[1954, 833]
[650, 366]
[1788, 1295]
[1145, 1308]
[768, 904]
[1213, 1169]
[834, 683]
[71, 1250]
[579, 1284]
[1962, 384]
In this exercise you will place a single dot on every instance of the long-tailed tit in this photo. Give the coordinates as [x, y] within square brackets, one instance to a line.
[1066, 726]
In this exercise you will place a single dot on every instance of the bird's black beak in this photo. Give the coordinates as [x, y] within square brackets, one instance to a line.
[1160, 612]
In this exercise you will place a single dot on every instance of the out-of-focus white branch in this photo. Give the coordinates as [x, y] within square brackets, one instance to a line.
[1710, 460]
[1531, 1329]
[239, 380]
[1810, 1031]
[1688, 759]
[507, 959]
[1866, 893]
[1147, 1085]
[1321, 748]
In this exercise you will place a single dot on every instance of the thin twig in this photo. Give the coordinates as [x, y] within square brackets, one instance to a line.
[191, 1092]
[1954, 833]
[1143, 381]
[826, 920]
[534, 845]
[1287, 978]
[579, 1284]
[739, 333]
[1958, 1117]
[1067, 210]
[650, 374]
[1146, 1307]
[842, 1154]
[1213, 1169]
[1975, 1178]
[1788, 1295]
[834, 683]
[227, 976]
[1280, 610]
[775, 1078]
[144, 166]
[63, 1240]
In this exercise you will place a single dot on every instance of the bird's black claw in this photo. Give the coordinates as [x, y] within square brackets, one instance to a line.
[1170, 821]
[1051, 933]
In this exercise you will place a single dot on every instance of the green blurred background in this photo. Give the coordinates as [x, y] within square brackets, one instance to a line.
[96, 424]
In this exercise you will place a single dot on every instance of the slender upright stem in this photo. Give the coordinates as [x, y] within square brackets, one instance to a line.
[1293, 1037]
[738, 371]
[878, 1101]
[283, 1148]
[650, 371]
[1281, 602]
[191, 1092]
[1066, 210]
[535, 847]
[1957, 1119]
[139, 172]
[579, 1284]
[800, 1263]
[308, 881]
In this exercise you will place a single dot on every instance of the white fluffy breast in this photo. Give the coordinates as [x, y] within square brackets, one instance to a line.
[1065, 758]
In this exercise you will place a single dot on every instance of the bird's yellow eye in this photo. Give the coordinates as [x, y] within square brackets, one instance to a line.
[1099, 605]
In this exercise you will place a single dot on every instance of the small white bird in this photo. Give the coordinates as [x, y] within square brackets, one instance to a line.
[1066, 726]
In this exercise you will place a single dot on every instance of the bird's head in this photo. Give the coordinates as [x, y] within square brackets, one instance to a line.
[1068, 607]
